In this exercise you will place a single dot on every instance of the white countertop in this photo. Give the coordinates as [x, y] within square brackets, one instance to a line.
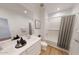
[8, 46]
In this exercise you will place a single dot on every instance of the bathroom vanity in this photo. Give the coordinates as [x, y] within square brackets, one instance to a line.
[33, 47]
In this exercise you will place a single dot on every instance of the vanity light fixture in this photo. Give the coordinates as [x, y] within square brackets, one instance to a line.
[25, 11]
[58, 9]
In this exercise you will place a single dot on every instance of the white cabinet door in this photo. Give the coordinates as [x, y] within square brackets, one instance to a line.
[33, 50]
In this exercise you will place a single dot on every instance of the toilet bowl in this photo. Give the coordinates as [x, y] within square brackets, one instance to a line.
[43, 45]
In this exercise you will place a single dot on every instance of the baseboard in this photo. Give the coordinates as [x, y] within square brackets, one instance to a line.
[53, 44]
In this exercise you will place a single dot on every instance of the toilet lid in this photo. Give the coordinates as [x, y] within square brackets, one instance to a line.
[43, 43]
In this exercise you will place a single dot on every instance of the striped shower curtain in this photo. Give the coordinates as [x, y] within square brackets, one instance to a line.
[65, 32]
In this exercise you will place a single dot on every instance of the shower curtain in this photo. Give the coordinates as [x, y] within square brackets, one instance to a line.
[65, 31]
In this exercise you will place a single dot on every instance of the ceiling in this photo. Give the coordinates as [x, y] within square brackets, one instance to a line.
[35, 7]
[49, 7]
[31, 6]
[15, 7]
[52, 7]
[12, 6]
[21, 7]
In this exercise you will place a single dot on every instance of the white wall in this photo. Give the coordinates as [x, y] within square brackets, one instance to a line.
[54, 23]
[34, 8]
[74, 46]
[53, 29]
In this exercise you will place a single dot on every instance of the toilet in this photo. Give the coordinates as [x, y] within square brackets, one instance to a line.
[43, 45]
